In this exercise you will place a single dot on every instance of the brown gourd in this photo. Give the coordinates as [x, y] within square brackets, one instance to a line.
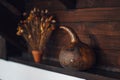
[77, 55]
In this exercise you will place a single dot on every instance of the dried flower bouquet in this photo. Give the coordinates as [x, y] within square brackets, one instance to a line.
[36, 30]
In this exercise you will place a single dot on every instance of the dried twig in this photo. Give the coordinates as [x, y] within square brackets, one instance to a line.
[37, 28]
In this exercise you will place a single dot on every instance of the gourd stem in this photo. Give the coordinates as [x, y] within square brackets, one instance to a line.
[74, 38]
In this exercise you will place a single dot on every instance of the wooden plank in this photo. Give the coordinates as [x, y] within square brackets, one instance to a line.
[91, 14]
[101, 41]
[110, 58]
[104, 34]
[79, 74]
[70, 4]
[97, 3]
[96, 28]
[108, 42]
[86, 3]
[104, 42]
[46, 4]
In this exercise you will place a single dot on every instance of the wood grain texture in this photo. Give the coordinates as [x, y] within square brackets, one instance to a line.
[86, 3]
[97, 3]
[46, 4]
[103, 37]
[98, 27]
[89, 14]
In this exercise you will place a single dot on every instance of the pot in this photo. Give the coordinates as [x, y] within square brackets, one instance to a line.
[37, 55]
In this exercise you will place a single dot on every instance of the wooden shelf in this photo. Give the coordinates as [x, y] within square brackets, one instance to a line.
[92, 74]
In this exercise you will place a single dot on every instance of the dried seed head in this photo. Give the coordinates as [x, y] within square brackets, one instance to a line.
[21, 30]
[29, 36]
[18, 33]
[53, 21]
[46, 20]
[18, 28]
[29, 18]
[39, 24]
[46, 11]
[41, 28]
[42, 19]
[43, 24]
[31, 11]
[24, 14]
[34, 9]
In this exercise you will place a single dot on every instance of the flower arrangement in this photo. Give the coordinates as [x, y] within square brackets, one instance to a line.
[36, 30]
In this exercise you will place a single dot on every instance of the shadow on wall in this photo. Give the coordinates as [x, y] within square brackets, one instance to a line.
[96, 48]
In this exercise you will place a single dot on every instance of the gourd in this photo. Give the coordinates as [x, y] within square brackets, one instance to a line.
[77, 55]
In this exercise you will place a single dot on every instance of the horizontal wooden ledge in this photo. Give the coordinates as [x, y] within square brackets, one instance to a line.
[91, 14]
[80, 74]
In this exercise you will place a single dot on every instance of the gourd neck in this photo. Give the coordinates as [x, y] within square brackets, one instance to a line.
[73, 36]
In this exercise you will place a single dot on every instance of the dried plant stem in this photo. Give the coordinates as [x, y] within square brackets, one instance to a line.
[37, 28]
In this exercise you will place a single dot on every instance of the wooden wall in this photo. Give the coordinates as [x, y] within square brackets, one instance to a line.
[100, 31]
[96, 25]
[97, 3]
[45, 4]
